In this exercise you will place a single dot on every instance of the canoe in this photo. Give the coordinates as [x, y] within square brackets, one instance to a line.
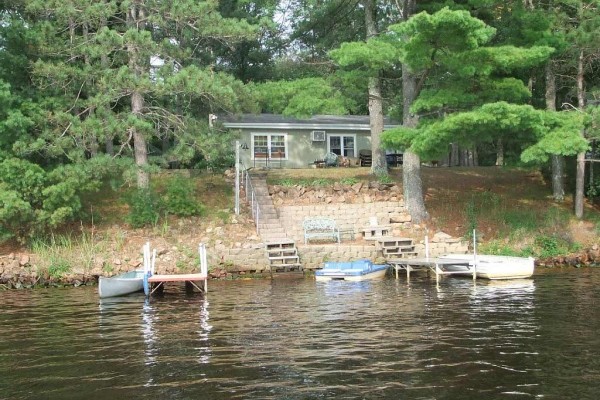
[351, 271]
[493, 267]
[122, 284]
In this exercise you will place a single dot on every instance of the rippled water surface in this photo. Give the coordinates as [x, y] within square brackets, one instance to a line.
[297, 339]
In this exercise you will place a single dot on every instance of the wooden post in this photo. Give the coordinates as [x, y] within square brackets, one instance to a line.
[474, 254]
[203, 265]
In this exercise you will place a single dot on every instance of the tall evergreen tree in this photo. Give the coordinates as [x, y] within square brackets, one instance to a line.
[129, 72]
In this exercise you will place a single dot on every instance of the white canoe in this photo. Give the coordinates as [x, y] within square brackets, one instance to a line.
[119, 285]
[351, 271]
[494, 267]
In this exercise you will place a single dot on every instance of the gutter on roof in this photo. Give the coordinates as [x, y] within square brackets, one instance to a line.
[314, 126]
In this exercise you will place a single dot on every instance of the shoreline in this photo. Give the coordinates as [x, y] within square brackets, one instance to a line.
[22, 279]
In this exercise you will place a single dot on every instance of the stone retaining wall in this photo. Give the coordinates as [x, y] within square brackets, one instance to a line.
[349, 217]
[244, 260]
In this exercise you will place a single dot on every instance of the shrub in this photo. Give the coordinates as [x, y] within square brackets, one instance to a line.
[180, 198]
[33, 200]
[496, 247]
[593, 190]
[549, 246]
[144, 207]
[58, 268]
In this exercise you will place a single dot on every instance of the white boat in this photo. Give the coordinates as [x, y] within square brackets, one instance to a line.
[351, 271]
[119, 285]
[492, 267]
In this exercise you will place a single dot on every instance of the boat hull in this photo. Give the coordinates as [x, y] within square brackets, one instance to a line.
[494, 267]
[120, 285]
[351, 271]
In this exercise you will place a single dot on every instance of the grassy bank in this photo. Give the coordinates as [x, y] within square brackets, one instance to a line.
[511, 209]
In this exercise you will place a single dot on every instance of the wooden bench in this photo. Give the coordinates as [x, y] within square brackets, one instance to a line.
[320, 228]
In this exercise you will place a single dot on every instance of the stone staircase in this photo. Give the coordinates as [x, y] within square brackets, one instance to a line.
[281, 251]
[395, 247]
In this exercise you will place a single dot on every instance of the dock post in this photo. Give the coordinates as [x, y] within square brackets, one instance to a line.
[203, 265]
[147, 267]
[474, 254]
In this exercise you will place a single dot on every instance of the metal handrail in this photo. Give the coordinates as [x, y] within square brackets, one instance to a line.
[251, 196]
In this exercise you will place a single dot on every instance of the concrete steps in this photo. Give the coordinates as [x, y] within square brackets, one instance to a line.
[394, 247]
[283, 257]
[280, 250]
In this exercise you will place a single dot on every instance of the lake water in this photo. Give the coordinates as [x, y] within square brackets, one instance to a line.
[298, 339]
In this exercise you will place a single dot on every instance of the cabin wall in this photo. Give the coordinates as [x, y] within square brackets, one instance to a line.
[301, 150]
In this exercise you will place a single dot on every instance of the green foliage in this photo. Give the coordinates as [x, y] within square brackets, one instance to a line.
[469, 96]
[384, 178]
[302, 97]
[33, 200]
[446, 33]
[371, 56]
[60, 254]
[497, 247]
[593, 190]
[223, 215]
[471, 215]
[180, 198]
[520, 220]
[318, 182]
[58, 268]
[550, 246]
[144, 207]
[540, 133]
[349, 181]
[286, 182]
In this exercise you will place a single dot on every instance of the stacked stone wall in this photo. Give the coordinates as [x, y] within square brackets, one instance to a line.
[244, 260]
[350, 218]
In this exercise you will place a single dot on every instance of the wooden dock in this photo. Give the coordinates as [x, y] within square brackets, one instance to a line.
[191, 280]
[155, 282]
[439, 266]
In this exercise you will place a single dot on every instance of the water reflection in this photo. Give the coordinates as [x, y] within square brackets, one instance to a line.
[302, 340]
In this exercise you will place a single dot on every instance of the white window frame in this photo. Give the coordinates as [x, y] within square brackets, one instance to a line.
[341, 135]
[269, 134]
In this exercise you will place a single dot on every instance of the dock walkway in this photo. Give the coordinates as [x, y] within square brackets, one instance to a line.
[154, 282]
[439, 266]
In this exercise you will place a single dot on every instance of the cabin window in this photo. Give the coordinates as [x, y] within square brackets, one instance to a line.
[342, 145]
[272, 146]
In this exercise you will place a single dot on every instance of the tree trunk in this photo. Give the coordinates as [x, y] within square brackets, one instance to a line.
[455, 160]
[378, 163]
[558, 161]
[580, 177]
[411, 167]
[499, 153]
[139, 143]
[135, 20]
